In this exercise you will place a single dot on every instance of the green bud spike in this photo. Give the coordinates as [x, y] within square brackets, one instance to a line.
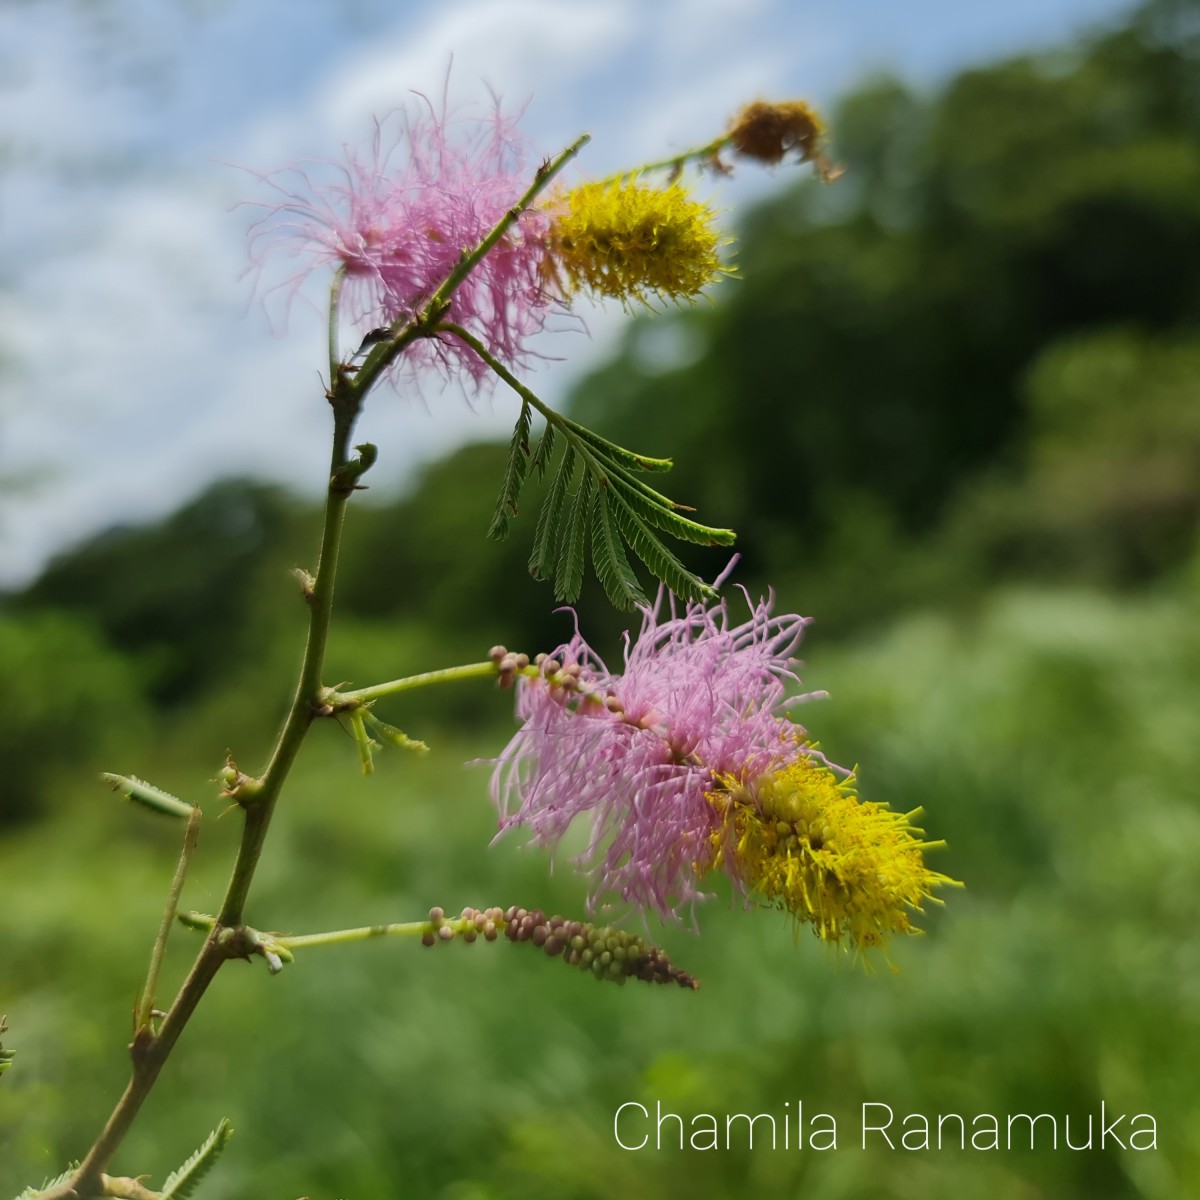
[148, 795]
[608, 953]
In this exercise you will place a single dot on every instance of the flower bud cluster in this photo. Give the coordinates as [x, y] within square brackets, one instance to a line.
[508, 664]
[561, 678]
[614, 954]
[471, 925]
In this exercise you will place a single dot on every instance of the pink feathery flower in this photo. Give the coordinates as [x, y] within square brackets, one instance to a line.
[639, 752]
[396, 217]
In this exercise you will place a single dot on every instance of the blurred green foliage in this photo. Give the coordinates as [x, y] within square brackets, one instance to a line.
[178, 598]
[1053, 738]
[68, 696]
[952, 409]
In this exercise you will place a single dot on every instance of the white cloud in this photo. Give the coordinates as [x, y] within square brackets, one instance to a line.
[538, 47]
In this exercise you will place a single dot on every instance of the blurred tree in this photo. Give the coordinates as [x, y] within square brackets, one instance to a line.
[67, 696]
[1109, 490]
[179, 598]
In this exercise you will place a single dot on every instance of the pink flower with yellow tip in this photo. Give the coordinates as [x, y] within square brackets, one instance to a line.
[638, 752]
[396, 216]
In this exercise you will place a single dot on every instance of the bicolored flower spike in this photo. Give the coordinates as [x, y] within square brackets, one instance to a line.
[700, 698]
[686, 763]
[632, 242]
[396, 216]
[799, 838]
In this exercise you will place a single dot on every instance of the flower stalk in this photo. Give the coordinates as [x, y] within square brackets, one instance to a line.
[610, 954]
[340, 700]
[145, 1006]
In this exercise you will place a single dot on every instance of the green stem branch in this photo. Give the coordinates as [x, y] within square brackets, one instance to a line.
[149, 1055]
[338, 937]
[367, 695]
[569, 429]
[306, 701]
[149, 1050]
[141, 1018]
[677, 162]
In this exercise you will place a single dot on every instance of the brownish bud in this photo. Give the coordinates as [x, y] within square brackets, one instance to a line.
[769, 132]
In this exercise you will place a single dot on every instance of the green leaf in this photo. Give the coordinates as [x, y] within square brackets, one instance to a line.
[568, 578]
[363, 740]
[613, 453]
[618, 510]
[660, 512]
[182, 1183]
[649, 548]
[608, 502]
[541, 456]
[546, 533]
[31, 1193]
[147, 795]
[514, 474]
[608, 557]
[392, 735]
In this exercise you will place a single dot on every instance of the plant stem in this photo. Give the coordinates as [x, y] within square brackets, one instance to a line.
[583, 446]
[141, 1017]
[400, 929]
[362, 696]
[306, 701]
[676, 162]
[149, 1050]
[335, 297]
[202, 921]
[149, 1055]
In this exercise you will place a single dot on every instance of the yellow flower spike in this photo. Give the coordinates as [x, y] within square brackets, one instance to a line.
[622, 239]
[800, 838]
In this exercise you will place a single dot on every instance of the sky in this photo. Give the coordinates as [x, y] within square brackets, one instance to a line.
[137, 361]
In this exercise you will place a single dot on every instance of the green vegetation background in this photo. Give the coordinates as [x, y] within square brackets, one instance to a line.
[953, 409]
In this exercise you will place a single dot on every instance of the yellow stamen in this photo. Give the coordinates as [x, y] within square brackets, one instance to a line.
[628, 241]
[801, 838]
